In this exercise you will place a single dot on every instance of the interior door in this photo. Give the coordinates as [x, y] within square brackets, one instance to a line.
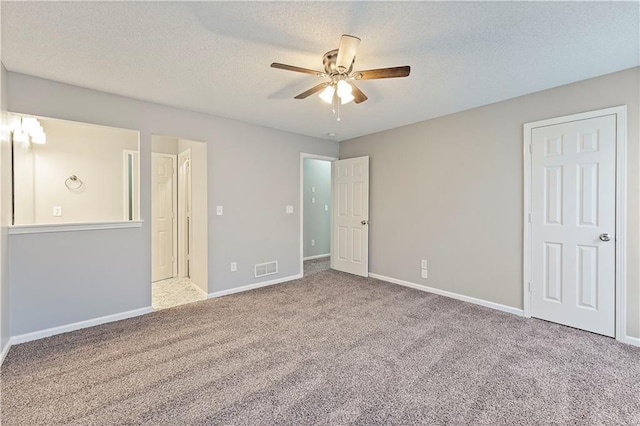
[162, 217]
[573, 224]
[350, 225]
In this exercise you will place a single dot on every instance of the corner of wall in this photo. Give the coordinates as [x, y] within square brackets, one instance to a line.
[5, 214]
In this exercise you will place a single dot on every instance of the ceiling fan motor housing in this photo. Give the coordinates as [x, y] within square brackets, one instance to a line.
[329, 63]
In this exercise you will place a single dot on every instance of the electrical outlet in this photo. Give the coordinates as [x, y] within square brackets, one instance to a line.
[313, 200]
[57, 211]
[313, 189]
[219, 210]
[424, 274]
[234, 266]
[326, 207]
[313, 242]
[289, 209]
[423, 264]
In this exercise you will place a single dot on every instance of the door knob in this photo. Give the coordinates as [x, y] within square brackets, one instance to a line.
[364, 222]
[605, 237]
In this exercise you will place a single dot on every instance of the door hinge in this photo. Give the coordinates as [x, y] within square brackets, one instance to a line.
[529, 286]
[531, 148]
[530, 217]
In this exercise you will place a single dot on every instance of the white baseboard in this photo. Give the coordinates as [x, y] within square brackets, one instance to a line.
[27, 337]
[481, 302]
[197, 287]
[633, 341]
[5, 351]
[317, 256]
[253, 286]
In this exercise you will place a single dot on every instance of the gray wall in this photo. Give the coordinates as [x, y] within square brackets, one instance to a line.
[66, 277]
[252, 171]
[450, 190]
[164, 144]
[5, 211]
[317, 220]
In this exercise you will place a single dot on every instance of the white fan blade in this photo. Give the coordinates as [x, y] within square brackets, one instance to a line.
[347, 52]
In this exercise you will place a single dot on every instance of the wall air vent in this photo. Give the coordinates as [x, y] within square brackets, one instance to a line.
[264, 269]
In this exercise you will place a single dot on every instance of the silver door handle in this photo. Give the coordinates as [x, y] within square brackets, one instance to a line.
[605, 237]
[364, 222]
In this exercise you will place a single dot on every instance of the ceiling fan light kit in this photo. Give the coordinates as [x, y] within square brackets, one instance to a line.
[338, 67]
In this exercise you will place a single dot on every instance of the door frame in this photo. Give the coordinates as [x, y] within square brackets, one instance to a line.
[174, 203]
[620, 113]
[184, 236]
[128, 196]
[303, 156]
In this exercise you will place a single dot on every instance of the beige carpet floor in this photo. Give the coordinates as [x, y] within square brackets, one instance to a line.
[313, 266]
[330, 348]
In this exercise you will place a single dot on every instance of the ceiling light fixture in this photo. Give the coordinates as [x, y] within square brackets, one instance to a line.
[344, 90]
[338, 92]
[327, 94]
[338, 66]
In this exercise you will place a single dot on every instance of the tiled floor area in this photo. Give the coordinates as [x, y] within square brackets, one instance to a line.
[174, 292]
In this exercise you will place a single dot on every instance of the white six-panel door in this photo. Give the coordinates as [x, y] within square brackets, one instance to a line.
[573, 190]
[350, 225]
[162, 216]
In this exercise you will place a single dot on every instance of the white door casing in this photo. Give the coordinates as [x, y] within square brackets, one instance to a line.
[184, 212]
[163, 218]
[575, 191]
[350, 224]
[131, 185]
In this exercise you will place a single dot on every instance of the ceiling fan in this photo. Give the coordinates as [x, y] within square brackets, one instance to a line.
[338, 67]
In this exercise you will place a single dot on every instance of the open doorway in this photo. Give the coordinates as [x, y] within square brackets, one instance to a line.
[315, 175]
[178, 221]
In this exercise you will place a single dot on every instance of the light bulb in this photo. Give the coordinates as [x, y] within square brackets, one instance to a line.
[39, 138]
[346, 98]
[344, 89]
[30, 124]
[20, 137]
[327, 94]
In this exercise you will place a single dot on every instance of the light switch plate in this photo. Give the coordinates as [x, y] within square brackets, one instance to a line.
[313, 242]
[313, 200]
[289, 209]
[423, 264]
[326, 208]
[219, 210]
[313, 189]
[425, 275]
[234, 266]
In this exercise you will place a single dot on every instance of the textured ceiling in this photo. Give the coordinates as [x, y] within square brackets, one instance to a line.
[214, 57]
